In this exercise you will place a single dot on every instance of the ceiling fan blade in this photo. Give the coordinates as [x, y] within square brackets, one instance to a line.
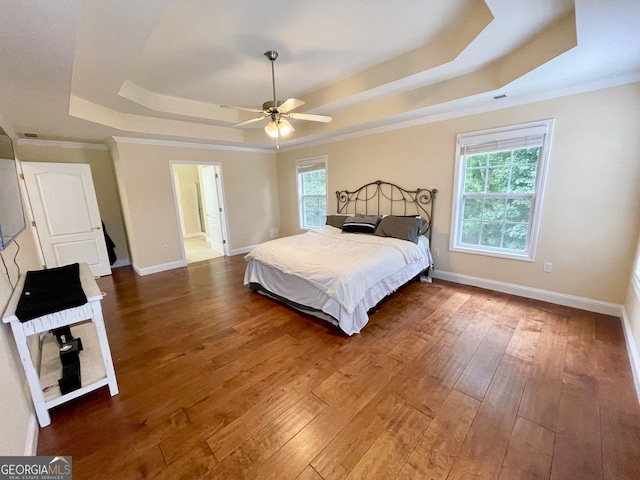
[290, 104]
[310, 116]
[244, 109]
[251, 120]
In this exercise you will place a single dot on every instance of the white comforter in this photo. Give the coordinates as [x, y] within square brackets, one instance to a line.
[343, 266]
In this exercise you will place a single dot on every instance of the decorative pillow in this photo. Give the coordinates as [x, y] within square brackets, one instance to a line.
[404, 228]
[336, 220]
[424, 225]
[361, 224]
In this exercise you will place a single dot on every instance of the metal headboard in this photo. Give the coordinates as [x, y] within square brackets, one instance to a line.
[384, 198]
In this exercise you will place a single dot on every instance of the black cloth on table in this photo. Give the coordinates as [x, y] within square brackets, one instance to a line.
[48, 291]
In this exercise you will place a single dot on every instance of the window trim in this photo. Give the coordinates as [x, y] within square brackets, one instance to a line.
[544, 127]
[319, 159]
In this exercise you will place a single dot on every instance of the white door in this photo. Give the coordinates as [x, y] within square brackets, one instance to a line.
[212, 206]
[65, 208]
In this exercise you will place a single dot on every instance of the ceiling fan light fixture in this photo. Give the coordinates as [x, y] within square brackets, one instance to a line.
[277, 129]
[272, 129]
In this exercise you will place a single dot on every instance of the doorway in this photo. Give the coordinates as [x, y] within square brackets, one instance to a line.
[200, 205]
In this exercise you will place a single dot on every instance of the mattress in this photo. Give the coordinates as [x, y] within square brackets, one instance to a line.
[343, 275]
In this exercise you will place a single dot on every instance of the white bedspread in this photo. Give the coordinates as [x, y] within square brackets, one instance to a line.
[342, 266]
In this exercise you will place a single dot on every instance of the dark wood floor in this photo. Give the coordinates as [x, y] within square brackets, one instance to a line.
[446, 381]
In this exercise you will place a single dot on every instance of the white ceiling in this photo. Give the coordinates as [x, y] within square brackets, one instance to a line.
[159, 69]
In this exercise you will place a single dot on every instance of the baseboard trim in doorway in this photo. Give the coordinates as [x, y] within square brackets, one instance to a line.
[159, 268]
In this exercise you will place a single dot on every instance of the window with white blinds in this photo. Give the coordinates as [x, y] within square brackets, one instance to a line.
[498, 189]
[311, 176]
[636, 273]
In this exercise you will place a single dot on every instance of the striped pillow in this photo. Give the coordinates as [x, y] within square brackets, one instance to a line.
[361, 224]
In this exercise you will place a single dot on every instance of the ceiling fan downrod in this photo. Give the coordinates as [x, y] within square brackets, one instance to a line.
[272, 55]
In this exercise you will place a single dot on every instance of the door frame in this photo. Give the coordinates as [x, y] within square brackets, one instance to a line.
[221, 198]
[206, 197]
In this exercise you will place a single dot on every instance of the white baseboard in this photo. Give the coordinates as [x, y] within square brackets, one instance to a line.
[31, 445]
[632, 349]
[159, 268]
[194, 235]
[564, 299]
[239, 251]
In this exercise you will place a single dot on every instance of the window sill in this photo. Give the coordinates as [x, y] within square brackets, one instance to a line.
[525, 257]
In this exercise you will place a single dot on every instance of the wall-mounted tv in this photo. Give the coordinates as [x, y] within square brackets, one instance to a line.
[11, 212]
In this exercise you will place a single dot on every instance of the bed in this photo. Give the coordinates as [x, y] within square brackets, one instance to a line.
[378, 241]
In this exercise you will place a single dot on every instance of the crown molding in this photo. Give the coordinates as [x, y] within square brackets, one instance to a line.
[174, 143]
[56, 143]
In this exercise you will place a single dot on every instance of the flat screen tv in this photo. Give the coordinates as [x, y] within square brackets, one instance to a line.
[11, 212]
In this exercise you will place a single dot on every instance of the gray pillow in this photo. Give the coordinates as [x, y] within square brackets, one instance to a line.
[424, 225]
[336, 220]
[361, 224]
[404, 228]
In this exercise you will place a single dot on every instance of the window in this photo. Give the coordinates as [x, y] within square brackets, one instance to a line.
[500, 177]
[636, 273]
[312, 191]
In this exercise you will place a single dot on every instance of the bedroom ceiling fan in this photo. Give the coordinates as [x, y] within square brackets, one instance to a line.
[276, 111]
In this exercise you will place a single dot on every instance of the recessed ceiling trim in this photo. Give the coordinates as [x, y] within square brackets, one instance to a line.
[179, 106]
[512, 101]
[558, 38]
[441, 50]
[81, 108]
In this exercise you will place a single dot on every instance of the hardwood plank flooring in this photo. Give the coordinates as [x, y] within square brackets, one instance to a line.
[445, 382]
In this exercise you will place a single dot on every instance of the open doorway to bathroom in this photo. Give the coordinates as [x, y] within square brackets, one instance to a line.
[200, 205]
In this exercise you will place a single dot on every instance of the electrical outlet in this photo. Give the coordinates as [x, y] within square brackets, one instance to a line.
[546, 267]
[165, 248]
[436, 251]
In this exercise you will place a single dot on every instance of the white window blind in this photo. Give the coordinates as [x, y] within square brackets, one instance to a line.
[310, 165]
[501, 145]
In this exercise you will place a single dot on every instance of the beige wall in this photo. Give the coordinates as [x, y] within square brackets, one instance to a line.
[591, 214]
[103, 179]
[188, 177]
[16, 414]
[143, 174]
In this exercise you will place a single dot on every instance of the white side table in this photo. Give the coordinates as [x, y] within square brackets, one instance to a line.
[96, 365]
